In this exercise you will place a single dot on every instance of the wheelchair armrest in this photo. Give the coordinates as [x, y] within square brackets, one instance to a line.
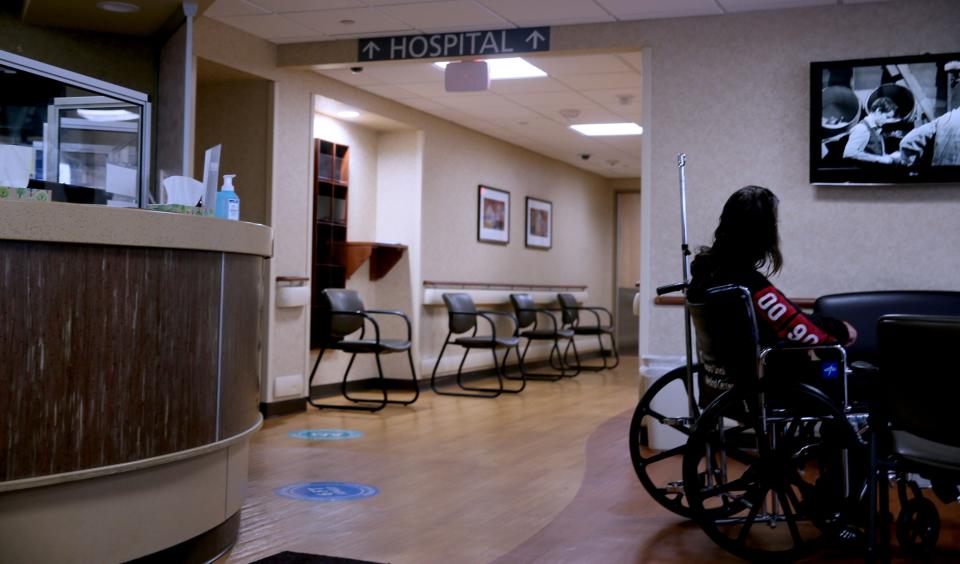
[671, 288]
[864, 367]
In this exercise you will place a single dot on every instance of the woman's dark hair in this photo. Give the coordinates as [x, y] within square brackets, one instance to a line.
[747, 235]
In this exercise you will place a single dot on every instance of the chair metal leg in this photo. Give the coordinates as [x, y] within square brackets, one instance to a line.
[484, 392]
[502, 370]
[380, 404]
[613, 348]
[533, 375]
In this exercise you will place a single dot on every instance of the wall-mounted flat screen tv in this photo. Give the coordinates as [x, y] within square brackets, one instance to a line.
[885, 121]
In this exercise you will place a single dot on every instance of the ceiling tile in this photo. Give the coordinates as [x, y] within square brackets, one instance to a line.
[633, 9]
[366, 20]
[429, 106]
[588, 114]
[627, 98]
[282, 6]
[389, 2]
[527, 85]
[601, 81]
[560, 12]
[634, 59]
[446, 15]
[405, 73]
[427, 89]
[222, 8]
[581, 64]
[751, 5]
[550, 100]
[270, 26]
[391, 92]
[485, 105]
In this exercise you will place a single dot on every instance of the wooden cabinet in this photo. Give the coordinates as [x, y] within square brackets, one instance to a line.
[335, 259]
[330, 190]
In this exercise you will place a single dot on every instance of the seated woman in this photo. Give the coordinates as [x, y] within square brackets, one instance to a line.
[746, 241]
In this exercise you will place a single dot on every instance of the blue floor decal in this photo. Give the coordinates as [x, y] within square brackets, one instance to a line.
[325, 434]
[327, 491]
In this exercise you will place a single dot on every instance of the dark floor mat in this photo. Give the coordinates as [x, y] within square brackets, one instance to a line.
[288, 557]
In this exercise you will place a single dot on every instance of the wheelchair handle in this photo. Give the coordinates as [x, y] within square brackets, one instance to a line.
[671, 288]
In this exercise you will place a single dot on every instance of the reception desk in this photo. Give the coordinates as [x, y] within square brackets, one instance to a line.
[129, 381]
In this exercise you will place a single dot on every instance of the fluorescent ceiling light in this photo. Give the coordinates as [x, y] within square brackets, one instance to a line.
[348, 114]
[600, 129]
[502, 69]
[106, 115]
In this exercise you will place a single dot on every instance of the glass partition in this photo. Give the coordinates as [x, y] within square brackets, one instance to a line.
[81, 139]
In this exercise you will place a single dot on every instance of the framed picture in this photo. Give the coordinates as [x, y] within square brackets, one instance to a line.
[493, 215]
[539, 223]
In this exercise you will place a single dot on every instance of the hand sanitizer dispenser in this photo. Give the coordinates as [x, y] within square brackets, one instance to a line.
[228, 203]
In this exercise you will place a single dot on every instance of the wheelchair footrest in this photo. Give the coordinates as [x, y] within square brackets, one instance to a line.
[677, 422]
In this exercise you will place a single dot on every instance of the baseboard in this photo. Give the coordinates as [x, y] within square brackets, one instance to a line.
[284, 407]
[398, 384]
[205, 547]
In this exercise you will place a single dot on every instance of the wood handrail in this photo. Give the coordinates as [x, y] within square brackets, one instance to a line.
[805, 303]
[502, 285]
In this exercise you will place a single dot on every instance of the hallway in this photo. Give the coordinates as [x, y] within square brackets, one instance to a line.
[543, 476]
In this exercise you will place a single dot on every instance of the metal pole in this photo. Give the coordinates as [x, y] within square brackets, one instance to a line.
[685, 252]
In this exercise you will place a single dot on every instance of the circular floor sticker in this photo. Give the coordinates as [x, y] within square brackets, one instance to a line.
[325, 434]
[327, 491]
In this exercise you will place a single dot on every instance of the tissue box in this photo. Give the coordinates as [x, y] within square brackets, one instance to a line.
[7, 193]
[180, 208]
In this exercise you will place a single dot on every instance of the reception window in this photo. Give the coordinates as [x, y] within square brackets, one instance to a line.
[71, 137]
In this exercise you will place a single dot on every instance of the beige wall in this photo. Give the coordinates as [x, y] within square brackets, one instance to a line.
[438, 222]
[237, 114]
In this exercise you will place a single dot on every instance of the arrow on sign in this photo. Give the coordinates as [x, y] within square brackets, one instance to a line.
[535, 37]
[370, 49]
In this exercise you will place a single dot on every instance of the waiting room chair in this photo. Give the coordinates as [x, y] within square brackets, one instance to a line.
[530, 328]
[592, 324]
[913, 427]
[463, 315]
[343, 315]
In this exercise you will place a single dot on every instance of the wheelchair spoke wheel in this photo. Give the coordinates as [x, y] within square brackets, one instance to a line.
[778, 470]
[659, 471]
[918, 527]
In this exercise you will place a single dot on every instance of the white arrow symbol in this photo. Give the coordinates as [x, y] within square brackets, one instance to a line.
[535, 37]
[372, 48]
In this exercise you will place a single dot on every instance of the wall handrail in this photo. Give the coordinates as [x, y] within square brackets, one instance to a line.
[504, 286]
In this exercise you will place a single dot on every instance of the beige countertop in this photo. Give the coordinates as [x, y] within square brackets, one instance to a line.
[101, 225]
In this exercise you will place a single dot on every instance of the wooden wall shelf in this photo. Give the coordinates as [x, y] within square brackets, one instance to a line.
[382, 257]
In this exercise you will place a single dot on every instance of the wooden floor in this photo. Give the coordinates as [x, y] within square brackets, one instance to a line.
[543, 476]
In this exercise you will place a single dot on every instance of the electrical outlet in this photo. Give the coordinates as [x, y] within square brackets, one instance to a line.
[285, 386]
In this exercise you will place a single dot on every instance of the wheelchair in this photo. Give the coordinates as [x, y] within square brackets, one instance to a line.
[773, 465]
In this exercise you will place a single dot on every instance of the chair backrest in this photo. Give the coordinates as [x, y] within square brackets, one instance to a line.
[728, 342]
[461, 311]
[335, 300]
[919, 381]
[567, 305]
[525, 309]
[863, 309]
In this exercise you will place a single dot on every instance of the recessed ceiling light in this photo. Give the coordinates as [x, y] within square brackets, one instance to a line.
[348, 114]
[600, 129]
[502, 69]
[118, 7]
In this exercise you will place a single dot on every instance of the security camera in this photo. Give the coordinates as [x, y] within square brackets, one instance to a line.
[585, 156]
[355, 70]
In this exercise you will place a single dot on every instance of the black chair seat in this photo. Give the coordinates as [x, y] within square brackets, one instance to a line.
[487, 342]
[547, 334]
[593, 329]
[926, 452]
[385, 346]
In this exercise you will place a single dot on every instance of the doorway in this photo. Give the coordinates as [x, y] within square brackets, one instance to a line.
[628, 271]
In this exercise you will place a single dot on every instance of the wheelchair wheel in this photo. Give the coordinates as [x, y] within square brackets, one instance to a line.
[780, 460]
[918, 527]
[652, 467]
